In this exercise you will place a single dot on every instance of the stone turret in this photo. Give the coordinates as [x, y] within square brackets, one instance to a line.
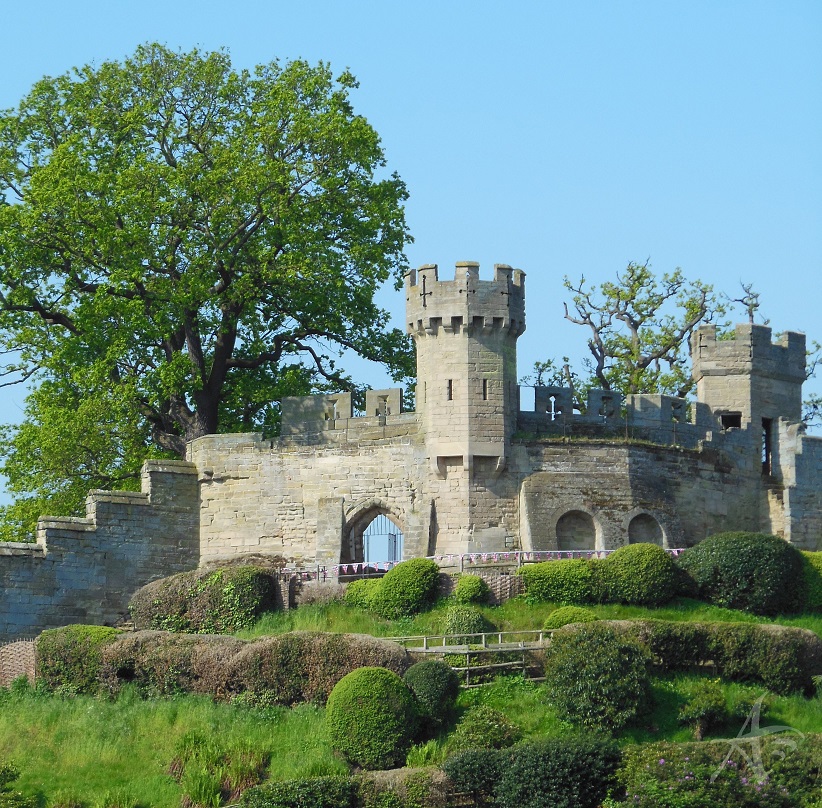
[465, 333]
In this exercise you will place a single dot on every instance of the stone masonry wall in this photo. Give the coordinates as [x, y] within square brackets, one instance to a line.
[84, 570]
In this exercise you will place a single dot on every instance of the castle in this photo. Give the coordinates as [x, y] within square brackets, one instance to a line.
[469, 471]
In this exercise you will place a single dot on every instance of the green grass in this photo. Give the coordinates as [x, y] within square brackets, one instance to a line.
[89, 746]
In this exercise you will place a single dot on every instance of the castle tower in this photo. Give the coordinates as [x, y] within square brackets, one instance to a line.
[467, 398]
[748, 379]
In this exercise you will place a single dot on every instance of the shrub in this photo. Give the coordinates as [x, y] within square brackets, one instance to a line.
[9, 798]
[160, 663]
[320, 593]
[483, 727]
[371, 718]
[638, 574]
[359, 593]
[568, 614]
[751, 571]
[305, 666]
[812, 580]
[69, 658]
[705, 708]
[596, 677]
[471, 589]
[436, 687]
[407, 589]
[565, 581]
[722, 775]
[464, 621]
[781, 658]
[308, 792]
[474, 771]
[569, 772]
[217, 601]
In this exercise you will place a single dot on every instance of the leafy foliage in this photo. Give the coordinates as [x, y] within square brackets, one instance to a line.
[639, 574]
[184, 244]
[8, 798]
[569, 772]
[436, 687]
[217, 601]
[471, 589]
[69, 658]
[705, 708]
[568, 614]
[812, 575]
[565, 581]
[751, 571]
[464, 621]
[406, 589]
[308, 792]
[371, 718]
[474, 771]
[596, 677]
[359, 593]
[483, 727]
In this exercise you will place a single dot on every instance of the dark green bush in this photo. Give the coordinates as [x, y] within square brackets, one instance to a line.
[308, 792]
[568, 772]
[9, 798]
[483, 727]
[812, 581]
[565, 581]
[464, 621]
[371, 718]
[69, 659]
[597, 677]
[471, 589]
[359, 593]
[218, 601]
[568, 614]
[638, 574]
[782, 658]
[436, 687]
[407, 589]
[474, 772]
[697, 775]
[751, 571]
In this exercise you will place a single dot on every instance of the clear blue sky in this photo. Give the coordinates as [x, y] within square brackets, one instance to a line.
[561, 138]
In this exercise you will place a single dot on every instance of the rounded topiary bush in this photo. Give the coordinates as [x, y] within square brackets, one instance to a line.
[568, 614]
[436, 687]
[471, 589]
[371, 718]
[464, 621]
[755, 572]
[483, 727]
[359, 593]
[597, 677]
[475, 772]
[69, 658]
[565, 581]
[638, 574]
[407, 589]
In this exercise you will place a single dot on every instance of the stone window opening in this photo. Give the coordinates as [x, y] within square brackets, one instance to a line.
[449, 390]
[576, 531]
[553, 409]
[731, 420]
[767, 446]
[485, 389]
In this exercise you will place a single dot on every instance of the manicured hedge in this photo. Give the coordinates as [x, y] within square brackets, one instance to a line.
[637, 574]
[69, 659]
[371, 718]
[566, 581]
[483, 727]
[755, 572]
[359, 593]
[218, 601]
[565, 615]
[782, 658]
[436, 686]
[471, 589]
[407, 589]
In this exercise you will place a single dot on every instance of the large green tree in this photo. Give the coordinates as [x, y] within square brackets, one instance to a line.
[181, 244]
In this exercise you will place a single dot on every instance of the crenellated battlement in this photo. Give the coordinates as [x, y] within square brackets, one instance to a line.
[465, 303]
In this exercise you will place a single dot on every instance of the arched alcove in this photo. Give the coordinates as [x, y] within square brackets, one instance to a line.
[576, 531]
[373, 535]
[645, 528]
